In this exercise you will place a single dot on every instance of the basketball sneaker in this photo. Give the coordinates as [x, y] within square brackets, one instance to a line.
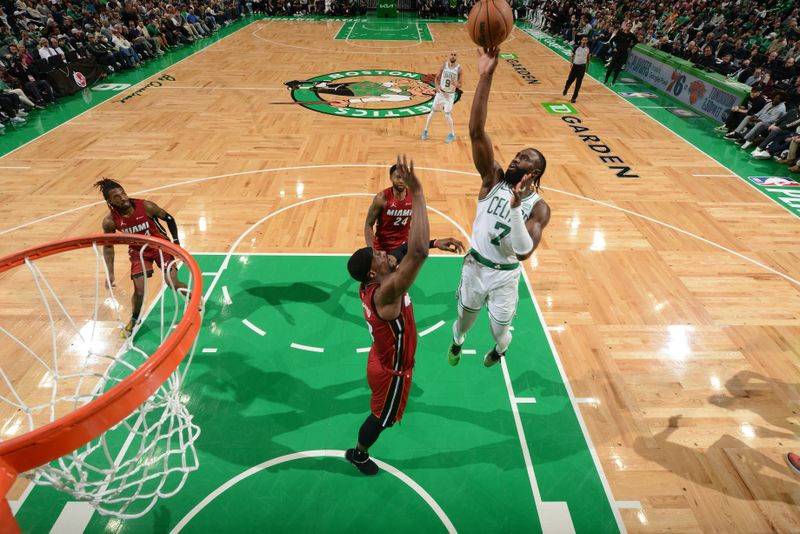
[794, 462]
[450, 138]
[361, 461]
[454, 354]
[492, 357]
[424, 135]
[128, 328]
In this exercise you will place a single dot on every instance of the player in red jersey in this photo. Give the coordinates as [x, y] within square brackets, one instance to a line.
[390, 319]
[390, 214]
[137, 216]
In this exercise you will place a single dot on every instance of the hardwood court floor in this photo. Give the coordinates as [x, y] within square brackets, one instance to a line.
[678, 336]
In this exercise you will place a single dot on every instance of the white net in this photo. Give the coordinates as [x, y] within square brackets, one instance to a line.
[71, 348]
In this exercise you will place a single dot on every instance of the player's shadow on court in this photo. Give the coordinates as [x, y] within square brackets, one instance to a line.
[745, 466]
[748, 390]
[327, 297]
[504, 451]
[250, 406]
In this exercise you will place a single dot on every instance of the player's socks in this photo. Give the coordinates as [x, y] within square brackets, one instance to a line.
[361, 461]
[492, 357]
[454, 354]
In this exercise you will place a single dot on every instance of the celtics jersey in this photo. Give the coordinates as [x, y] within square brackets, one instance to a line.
[491, 231]
[449, 78]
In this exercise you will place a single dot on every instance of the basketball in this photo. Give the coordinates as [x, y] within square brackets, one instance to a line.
[490, 22]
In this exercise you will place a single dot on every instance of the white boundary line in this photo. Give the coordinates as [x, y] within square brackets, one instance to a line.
[313, 454]
[525, 400]
[469, 351]
[362, 350]
[306, 348]
[226, 297]
[149, 78]
[576, 409]
[253, 327]
[432, 328]
[676, 134]
[209, 350]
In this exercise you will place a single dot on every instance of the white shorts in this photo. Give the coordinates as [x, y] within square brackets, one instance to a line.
[483, 285]
[444, 101]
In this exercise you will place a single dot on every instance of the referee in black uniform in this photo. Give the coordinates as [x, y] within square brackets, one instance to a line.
[580, 62]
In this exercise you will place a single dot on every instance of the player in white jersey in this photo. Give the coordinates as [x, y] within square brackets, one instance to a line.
[447, 81]
[508, 227]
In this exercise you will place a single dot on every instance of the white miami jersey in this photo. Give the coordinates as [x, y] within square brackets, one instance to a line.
[449, 78]
[491, 231]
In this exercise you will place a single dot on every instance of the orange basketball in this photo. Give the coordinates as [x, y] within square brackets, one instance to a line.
[490, 22]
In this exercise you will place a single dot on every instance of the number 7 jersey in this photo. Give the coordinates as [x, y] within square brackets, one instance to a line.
[491, 231]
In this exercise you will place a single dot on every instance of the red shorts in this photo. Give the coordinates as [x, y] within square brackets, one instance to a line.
[150, 257]
[389, 391]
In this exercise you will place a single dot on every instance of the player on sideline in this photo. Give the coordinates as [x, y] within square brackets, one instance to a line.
[447, 81]
[137, 216]
[390, 214]
[390, 319]
[508, 227]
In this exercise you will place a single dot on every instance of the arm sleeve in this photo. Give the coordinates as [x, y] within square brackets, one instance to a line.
[173, 227]
[521, 241]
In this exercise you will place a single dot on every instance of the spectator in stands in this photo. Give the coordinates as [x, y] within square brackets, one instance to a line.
[752, 105]
[47, 51]
[753, 125]
[707, 60]
[124, 47]
[777, 136]
[725, 67]
[104, 53]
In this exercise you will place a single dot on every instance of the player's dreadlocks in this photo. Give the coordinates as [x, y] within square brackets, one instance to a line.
[105, 185]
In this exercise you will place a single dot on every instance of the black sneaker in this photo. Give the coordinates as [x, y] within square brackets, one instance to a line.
[492, 357]
[454, 354]
[292, 85]
[365, 465]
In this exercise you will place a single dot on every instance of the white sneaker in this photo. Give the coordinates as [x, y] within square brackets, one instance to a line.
[17, 120]
[760, 154]
[22, 113]
[746, 145]
[721, 129]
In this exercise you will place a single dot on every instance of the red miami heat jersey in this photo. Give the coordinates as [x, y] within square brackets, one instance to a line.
[394, 222]
[138, 222]
[393, 342]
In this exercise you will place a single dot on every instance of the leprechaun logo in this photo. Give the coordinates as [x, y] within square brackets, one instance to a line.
[367, 94]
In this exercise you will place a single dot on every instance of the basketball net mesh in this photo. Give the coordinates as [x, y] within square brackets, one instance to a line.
[146, 456]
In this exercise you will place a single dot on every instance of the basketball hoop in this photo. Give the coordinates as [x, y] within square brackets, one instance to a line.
[128, 441]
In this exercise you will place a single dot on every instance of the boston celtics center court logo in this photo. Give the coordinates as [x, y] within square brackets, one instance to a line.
[367, 94]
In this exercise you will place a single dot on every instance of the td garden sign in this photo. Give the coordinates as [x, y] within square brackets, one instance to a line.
[367, 94]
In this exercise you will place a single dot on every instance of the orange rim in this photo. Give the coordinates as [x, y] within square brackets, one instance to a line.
[66, 434]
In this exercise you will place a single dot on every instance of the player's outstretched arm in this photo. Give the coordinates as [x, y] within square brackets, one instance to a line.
[109, 227]
[378, 203]
[153, 210]
[535, 225]
[482, 151]
[387, 297]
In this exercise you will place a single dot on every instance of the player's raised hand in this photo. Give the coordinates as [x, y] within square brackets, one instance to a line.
[487, 60]
[519, 190]
[450, 244]
[405, 169]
